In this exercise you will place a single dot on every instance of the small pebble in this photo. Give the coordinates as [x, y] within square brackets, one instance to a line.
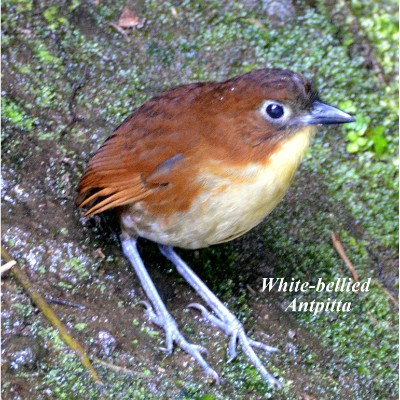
[106, 342]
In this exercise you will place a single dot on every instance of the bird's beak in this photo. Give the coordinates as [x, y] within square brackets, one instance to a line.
[325, 114]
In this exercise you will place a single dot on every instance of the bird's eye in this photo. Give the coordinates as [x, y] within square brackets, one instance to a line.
[275, 111]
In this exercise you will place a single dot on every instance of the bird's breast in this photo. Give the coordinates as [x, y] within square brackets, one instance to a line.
[234, 198]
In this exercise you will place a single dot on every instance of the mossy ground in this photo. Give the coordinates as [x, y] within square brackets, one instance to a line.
[69, 77]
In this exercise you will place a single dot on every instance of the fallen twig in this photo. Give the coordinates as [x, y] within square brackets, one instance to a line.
[117, 368]
[64, 303]
[257, 23]
[41, 303]
[71, 103]
[120, 30]
[339, 248]
[5, 267]
[251, 290]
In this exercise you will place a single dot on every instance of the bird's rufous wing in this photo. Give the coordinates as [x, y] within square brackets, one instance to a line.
[147, 152]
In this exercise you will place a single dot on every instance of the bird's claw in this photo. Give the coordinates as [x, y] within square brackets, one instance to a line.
[233, 328]
[150, 313]
[146, 304]
[197, 306]
[174, 336]
[232, 353]
[208, 316]
[263, 346]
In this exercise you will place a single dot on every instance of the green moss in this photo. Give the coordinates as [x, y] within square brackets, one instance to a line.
[14, 113]
[51, 13]
[76, 265]
[380, 25]
[67, 379]
[45, 56]
[80, 326]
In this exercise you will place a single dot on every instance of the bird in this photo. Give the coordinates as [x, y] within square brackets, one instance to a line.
[202, 164]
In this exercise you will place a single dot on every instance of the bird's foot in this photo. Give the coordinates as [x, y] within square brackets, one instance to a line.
[174, 336]
[222, 317]
[235, 330]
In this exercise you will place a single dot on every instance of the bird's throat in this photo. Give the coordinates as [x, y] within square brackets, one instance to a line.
[261, 188]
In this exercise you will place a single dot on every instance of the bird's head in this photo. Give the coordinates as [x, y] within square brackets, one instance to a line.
[273, 104]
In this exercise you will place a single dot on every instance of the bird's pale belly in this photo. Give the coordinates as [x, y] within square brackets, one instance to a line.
[236, 200]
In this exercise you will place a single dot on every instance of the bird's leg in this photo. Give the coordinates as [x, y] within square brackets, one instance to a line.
[158, 313]
[223, 318]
